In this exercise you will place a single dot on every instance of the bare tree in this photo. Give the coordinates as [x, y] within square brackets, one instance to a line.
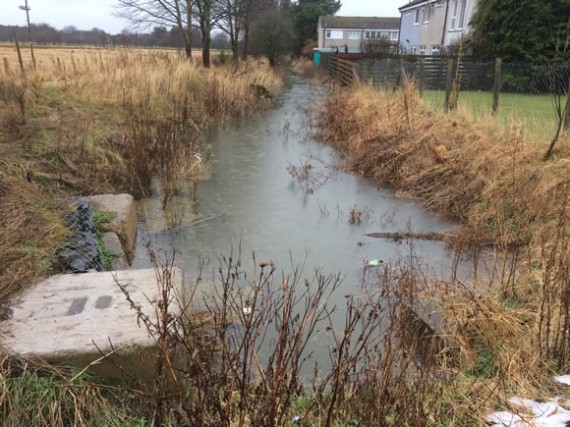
[236, 19]
[561, 95]
[252, 9]
[231, 22]
[382, 46]
[273, 33]
[207, 13]
[161, 12]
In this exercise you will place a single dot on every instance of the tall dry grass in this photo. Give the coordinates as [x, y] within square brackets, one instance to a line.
[86, 122]
[507, 329]
[94, 121]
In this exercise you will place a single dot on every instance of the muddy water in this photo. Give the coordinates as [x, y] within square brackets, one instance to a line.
[251, 199]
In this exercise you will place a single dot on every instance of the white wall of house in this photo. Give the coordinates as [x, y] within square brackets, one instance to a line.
[422, 27]
[351, 38]
[431, 28]
[458, 18]
[425, 29]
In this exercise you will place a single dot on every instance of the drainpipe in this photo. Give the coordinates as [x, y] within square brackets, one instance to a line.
[444, 24]
[362, 39]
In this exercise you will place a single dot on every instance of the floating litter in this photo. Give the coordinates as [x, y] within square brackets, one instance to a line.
[563, 379]
[374, 263]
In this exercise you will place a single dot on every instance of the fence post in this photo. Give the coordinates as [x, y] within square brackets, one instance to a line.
[421, 78]
[19, 55]
[497, 86]
[448, 84]
[402, 73]
[567, 114]
[386, 73]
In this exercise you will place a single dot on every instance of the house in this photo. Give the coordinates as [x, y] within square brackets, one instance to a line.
[429, 25]
[458, 18]
[349, 33]
[422, 26]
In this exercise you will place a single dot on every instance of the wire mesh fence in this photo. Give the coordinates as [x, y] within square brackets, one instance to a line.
[81, 253]
[533, 79]
[429, 72]
[536, 96]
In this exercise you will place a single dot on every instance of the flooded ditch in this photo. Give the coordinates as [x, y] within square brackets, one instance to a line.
[274, 191]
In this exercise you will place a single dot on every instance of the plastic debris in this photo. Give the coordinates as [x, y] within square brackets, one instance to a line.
[374, 263]
[549, 414]
[563, 379]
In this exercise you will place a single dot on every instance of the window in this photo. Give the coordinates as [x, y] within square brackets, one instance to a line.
[427, 12]
[393, 35]
[462, 13]
[354, 35]
[334, 34]
[457, 14]
[422, 49]
[413, 50]
[435, 49]
[417, 17]
[453, 17]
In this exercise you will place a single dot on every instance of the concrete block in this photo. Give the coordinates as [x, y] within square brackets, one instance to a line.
[125, 221]
[113, 244]
[75, 314]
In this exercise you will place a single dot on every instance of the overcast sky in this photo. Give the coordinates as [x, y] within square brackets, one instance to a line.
[87, 14]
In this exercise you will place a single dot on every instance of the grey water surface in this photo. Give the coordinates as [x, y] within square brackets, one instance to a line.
[252, 200]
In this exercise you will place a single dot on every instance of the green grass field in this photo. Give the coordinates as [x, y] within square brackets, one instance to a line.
[535, 112]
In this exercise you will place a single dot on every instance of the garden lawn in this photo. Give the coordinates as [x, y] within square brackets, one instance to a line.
[535, 113]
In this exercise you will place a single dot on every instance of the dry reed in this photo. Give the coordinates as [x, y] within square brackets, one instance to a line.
[94, 121]
[507, 330]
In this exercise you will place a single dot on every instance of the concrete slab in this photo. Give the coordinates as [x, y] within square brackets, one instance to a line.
[73, 314]
[125, 221]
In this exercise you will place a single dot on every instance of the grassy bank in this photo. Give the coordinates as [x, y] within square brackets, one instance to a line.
[89, 121]
[94, 121]
[505, 331]
[535, 113]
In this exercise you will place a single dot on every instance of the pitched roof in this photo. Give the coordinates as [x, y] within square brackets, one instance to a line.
[411, 4]
[359, 22]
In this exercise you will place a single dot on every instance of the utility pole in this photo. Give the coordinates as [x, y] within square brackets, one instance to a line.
[27, 9]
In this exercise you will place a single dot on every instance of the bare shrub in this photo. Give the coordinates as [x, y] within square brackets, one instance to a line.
[245, 359]
[508, 325]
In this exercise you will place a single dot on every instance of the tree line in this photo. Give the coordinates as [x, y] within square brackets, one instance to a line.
[158, 36]
[529, 31]
[271, 28]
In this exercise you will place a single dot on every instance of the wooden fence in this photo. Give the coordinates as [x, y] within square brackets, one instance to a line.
[338, 68]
